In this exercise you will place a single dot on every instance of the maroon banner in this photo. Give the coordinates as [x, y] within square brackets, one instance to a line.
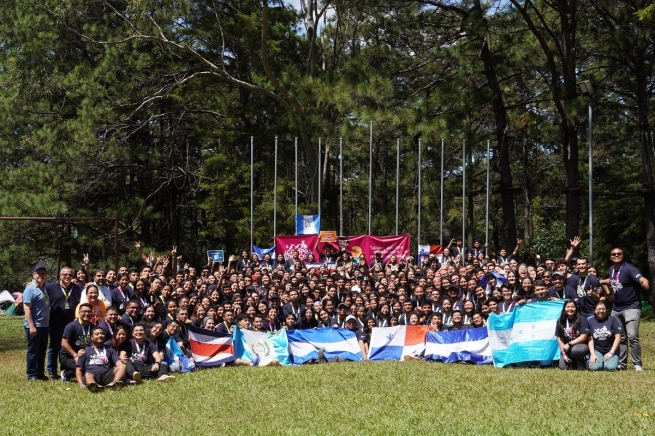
[305, 244]
[367, 245]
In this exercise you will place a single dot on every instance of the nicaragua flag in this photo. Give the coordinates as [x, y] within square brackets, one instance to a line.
[210, 348]
[470, 345]
[261, 252]
[526, 334]
[308, 224]
[304, 344]
[393, 343]
[271, 348]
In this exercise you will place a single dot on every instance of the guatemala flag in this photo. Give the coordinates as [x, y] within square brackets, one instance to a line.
[470, 345]
[304, 344]
[210, 348]
[393, 343]
[525, 335]
[269, 347]
[308, 224]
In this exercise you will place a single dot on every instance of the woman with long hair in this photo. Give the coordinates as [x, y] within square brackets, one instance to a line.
[572, 330]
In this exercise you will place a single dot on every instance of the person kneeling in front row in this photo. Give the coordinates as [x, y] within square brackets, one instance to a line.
[100, 366]
[604, 340]
[145, 360]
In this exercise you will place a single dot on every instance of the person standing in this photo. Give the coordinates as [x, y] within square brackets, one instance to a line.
[624, 280]
[64, 296]
[37, 320]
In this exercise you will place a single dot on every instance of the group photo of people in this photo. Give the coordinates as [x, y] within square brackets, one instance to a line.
[103, 329]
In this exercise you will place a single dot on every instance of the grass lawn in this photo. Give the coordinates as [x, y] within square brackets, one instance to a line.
[345, 398]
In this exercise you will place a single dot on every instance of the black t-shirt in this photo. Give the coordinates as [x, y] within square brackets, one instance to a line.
[62, 303]
[142, 353]
[78, 336]
[569, 334]
[98, 360]
[603, 333]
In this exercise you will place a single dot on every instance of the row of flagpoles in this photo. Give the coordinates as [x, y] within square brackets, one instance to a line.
[370, 187]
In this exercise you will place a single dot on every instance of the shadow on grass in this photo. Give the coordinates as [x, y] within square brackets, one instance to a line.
[12, 335]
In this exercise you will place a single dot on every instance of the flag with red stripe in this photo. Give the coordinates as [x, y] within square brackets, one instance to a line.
[210, 348]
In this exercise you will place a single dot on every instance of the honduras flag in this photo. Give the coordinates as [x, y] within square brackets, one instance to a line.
[308, 224]
[393, 343]
[269, 347]
[526, 334]
[470, 345]
[304, 344]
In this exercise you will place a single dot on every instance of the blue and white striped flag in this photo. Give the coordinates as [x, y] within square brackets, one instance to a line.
[470, 345]
[269, 347]
[308, 224]
[525, 335]
[304, 344]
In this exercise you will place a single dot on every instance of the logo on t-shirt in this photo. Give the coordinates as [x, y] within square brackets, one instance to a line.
[602, 334]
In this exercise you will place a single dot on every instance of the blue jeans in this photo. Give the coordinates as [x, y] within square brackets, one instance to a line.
[630, 321]
[610, 365]
[53, 349]
[37, 345]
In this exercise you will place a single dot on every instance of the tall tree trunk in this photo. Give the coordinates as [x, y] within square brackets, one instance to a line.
[502, 143]
[527, 190]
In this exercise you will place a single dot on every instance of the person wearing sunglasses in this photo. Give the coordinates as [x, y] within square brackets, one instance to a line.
[624, 281]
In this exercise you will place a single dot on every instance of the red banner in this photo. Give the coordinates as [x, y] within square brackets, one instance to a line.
[367, 245]
[305, 244]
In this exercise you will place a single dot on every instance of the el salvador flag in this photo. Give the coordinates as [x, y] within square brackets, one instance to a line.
[525, 335]
[304, 344]
[308, 224]
[269, 347]
[470, 345]
[261, 252]
[393, 343]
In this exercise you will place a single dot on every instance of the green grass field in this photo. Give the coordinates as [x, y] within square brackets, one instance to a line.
[333, 399]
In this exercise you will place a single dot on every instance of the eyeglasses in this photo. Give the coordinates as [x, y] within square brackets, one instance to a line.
[66, 275]
[616, 254]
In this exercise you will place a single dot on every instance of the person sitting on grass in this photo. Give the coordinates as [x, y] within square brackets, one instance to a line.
[74, 341]
[145, 360]
[604, 339]
[572, 330]
[99, 367]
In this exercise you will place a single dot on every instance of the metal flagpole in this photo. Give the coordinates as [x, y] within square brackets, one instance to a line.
[275, 195]
[319, 176]
[370, 174]
[418, 236]
[397, 180]
[463, 200]
[340, 186]
[296, 148]
[488, 187]
[252, 188]
[591, 186]
[441, 208]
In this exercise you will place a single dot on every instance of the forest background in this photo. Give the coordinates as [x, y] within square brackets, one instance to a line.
[144, 110]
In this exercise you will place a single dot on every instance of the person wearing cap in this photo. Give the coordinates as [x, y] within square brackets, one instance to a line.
[558, 291]
[353, 326]
[585, 287]
[37, 320]
[339, 321]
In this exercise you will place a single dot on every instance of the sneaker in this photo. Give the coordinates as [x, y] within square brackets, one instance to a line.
[111, 386]
[64, 376]
[93, 387]
[638, 368]
[255, 360]
[130, 382]
[166, 378]
[137, 377]
[117, 385]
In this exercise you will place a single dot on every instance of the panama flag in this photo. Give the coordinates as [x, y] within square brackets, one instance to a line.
[393, 343]
[271, 348]
[424, 251]
[304, 344]
[469, 345]
[210, 348]
[526, 334]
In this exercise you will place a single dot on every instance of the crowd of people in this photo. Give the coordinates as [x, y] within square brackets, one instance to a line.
[107, 328]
